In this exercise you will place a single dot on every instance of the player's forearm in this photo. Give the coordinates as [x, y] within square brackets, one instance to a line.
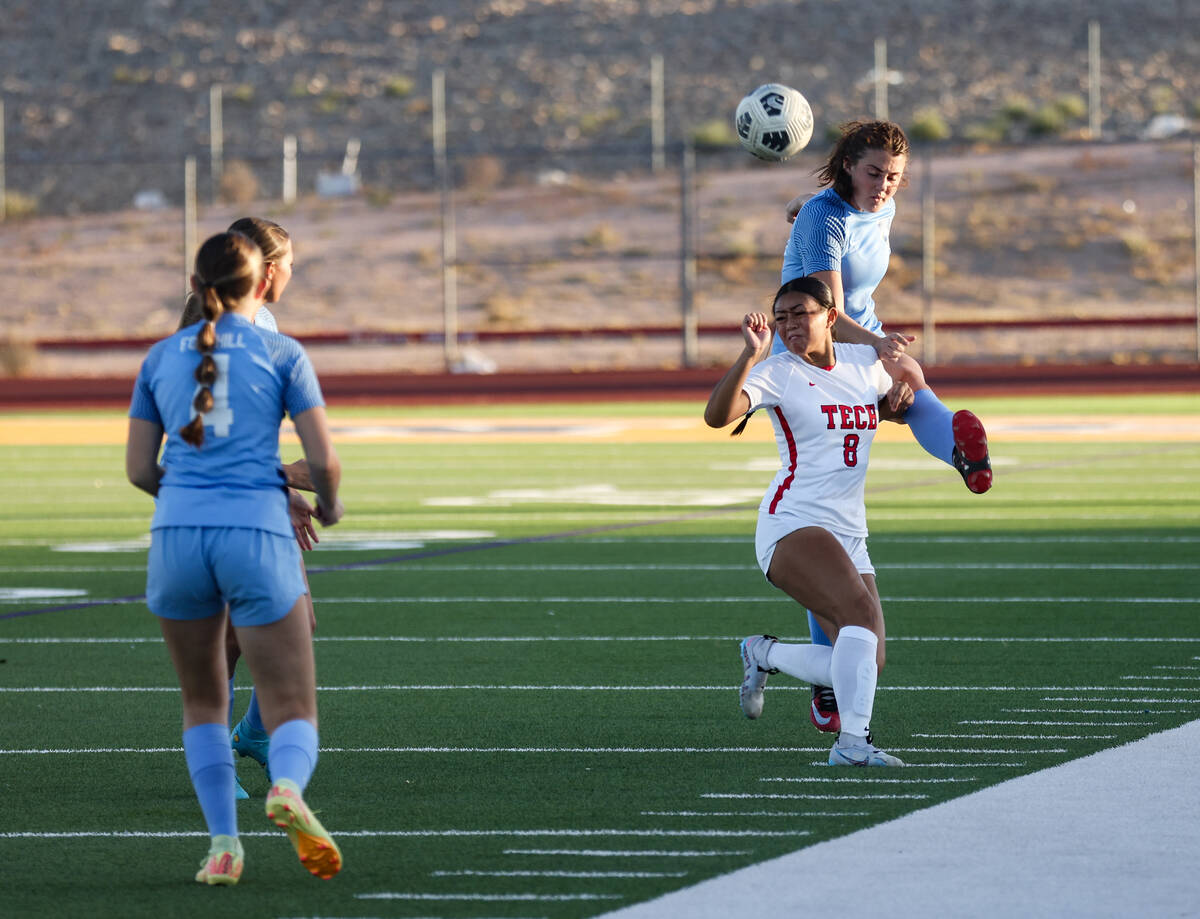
[298, 476]
[728, 401]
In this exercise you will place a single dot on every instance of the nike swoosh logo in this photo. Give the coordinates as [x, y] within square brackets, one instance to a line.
[817, 716]
[811, 383]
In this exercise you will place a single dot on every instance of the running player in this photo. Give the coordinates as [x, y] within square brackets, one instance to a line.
[221, 539]
[811, 534]
[841, 237]
[249, 736]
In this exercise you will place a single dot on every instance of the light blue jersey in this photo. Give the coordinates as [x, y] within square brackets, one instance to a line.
[830, 235]
[265, 319]
[235, 478]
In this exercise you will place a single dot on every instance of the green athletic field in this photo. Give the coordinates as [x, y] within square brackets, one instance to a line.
[527, 655]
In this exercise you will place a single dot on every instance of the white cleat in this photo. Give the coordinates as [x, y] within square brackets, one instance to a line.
[754, 675]
[861, 753]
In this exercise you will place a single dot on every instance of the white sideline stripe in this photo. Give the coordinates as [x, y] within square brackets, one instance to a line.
[1066, 817]
[468, 873]
[1153, 677]
[634, 853]
[1120, 699]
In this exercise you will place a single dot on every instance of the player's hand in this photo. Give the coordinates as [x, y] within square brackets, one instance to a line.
[892, 345]
[793, 207]
[330, 515]
[757, 331]
[900, 397]
[301, 513]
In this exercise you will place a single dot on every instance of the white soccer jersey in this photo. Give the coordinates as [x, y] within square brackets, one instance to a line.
[825, 421]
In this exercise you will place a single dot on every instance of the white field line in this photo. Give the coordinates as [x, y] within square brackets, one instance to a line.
[1089, 711]
[647, 601]
[395, 567]
[418, 834]
[630, 853]
[1140, 676]
[503, 639]
[1023, 737]
[500, 687]
[468, 873]
[855, 779]
[1118, 699]
[1064, 724]
[751, 796]
[491, 898]
[805, 814]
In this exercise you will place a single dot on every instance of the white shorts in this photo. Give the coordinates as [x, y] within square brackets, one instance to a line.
[856, 547]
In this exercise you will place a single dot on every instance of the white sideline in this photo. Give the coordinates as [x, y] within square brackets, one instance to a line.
[1115, 834]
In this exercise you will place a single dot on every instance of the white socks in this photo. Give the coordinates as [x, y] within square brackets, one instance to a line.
[809, 663]
[853, 675]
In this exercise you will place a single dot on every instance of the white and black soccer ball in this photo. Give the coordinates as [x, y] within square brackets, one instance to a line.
[774, 122]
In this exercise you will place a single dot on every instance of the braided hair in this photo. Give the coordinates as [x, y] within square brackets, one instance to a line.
[228, 266]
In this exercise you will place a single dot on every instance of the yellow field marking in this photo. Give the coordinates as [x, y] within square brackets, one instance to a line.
[47, 430]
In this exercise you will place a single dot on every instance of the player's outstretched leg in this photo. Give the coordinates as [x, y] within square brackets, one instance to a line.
[854, 674]
[971, 451]
[956, 438]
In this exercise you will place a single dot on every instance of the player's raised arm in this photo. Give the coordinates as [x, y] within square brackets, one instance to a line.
[728, 400]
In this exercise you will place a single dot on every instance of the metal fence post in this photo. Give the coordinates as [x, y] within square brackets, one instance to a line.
[216, 139]
[449, 242]
[1196, 236]
[881, 80]
[687, 256]
[1094, 80]
[928, 259]
[658, 130]
[3, 183]
[289, 170]
[189, 221]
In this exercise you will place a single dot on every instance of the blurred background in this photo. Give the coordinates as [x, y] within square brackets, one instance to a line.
[508, 185]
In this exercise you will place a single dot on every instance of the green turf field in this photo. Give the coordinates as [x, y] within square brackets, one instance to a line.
[527, 656]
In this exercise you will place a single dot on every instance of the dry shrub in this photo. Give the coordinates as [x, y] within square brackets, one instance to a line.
[482, 173]
[239, 184]
[17, 356]
[504, 310]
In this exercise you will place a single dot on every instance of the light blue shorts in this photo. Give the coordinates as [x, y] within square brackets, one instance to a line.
[192, 572]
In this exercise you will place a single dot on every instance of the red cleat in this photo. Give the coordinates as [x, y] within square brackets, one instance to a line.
[824, 710]
[971, 452]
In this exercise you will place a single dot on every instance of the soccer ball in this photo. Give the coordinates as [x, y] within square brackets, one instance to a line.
[774, 122]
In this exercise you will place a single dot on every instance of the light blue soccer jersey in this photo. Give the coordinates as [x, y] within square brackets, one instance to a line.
[830, 235]
[235, 478]
[265, 319]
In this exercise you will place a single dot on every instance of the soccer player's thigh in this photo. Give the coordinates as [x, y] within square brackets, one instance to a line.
[262, 579]
[811, 566]
[182, 592]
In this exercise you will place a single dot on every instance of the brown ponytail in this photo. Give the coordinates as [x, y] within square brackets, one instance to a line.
[228, 266]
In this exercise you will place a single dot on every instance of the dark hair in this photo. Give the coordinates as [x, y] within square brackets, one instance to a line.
[228, 266]
[809, 286]
[857, 138]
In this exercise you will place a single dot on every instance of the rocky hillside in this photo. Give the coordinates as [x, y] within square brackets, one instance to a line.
[104, 99]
